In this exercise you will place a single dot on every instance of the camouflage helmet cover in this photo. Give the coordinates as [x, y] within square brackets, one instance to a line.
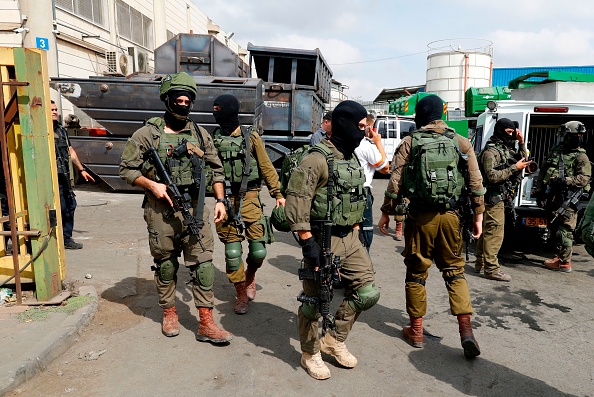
[178, 81]
[573, 127]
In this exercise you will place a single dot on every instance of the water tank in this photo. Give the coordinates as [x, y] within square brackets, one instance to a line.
[454, 65]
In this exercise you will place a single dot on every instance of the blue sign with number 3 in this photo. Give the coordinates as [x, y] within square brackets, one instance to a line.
[42, 42]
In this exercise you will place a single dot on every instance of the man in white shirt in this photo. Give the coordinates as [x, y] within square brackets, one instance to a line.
[372, 156]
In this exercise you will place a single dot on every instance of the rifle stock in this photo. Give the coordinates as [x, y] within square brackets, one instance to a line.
[572, 199]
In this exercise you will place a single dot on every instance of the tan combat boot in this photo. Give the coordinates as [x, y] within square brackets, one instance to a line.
[208, 331]
[250, 284]
[315, 367]
[170, 326]
[469, 344]
[413, 333]
[241, 298]
[338, 350]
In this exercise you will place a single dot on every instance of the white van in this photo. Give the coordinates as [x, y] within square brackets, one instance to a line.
[392, 129]
[539, 123]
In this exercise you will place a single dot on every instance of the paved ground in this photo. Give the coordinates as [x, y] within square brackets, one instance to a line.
[535, 333]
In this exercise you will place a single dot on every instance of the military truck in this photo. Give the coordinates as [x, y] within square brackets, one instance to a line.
[284, 106]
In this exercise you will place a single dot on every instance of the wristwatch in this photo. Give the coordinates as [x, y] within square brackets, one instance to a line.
[221, 200]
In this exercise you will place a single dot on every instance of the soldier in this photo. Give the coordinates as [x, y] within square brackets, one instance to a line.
[433, 229]
[307, 199]
[178, 91]
[566, 170]
[67, 159]
[245, 181]
[324, 131]
[501, 166]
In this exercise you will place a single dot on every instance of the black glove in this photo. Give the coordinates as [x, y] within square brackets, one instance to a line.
[558, 183]
[311, 250]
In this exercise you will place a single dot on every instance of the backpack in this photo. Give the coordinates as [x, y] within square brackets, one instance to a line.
[432, 176]
[290, 162]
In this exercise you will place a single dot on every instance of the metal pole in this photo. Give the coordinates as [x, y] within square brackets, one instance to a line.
[9, 192]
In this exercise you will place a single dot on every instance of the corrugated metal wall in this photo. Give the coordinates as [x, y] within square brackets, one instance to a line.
[502, 76]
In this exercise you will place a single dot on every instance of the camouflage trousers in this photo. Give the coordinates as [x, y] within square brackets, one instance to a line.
[490, 241]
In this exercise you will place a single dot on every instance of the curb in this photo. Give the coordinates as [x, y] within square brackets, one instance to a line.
[52, 345]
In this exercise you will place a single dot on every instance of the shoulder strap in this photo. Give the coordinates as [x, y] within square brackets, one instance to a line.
[247, 169]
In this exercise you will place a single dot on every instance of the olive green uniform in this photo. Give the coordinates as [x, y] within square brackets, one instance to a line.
[500, 176]
[251, 211]
[163, 226]
[433, 235]
[578, 172]
[357, 270]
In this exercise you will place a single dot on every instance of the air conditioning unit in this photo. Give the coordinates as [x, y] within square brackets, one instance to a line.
[140, 58]
[118, 63]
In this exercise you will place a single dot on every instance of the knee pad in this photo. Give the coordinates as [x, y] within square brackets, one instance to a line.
[167, 270]
[257, 251]
[310, 311]
[233, 255]
[203, 275]
[364, 298]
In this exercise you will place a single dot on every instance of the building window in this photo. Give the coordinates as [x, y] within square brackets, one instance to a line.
[134, 26]
[92, 10]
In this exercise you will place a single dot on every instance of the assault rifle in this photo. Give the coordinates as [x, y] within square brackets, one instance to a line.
[328, 273]
[466, 213]
[231, 216]
[572, 200]
[181, 202]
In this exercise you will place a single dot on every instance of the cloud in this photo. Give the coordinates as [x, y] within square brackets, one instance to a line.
[548, 47]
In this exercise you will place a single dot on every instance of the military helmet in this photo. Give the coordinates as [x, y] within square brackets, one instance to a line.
[178, 81]
[279, 220]
[573, 127]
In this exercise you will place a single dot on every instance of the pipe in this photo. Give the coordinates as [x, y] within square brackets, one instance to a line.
[90, 36]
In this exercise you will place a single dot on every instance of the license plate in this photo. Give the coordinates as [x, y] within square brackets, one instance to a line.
[535, 222]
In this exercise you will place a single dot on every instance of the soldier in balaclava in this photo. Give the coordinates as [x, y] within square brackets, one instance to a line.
[246, 165]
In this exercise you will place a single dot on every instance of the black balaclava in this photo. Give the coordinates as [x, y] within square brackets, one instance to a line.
[228, 116]
[346, 135]
[499, 132]
[572, 141]
[176, 115]
[427, 110]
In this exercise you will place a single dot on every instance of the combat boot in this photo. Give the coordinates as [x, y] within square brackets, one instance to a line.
[170, 325]
[469, 344]
[250, 284]
[398, 234]
[413, 333]
[241, 299]
[557, 264]
[338, 350]
[315, 367]
[208, 331]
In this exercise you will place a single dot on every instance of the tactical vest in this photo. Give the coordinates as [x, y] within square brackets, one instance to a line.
[432, 178]
[178, 167]
[507, 189]
[62, 151]
[232, 155]
[348, 199]
[569, 159]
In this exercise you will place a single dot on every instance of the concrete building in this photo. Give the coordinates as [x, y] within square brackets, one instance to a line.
[99, 37]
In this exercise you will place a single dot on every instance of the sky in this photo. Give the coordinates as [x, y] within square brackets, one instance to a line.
[376, 44]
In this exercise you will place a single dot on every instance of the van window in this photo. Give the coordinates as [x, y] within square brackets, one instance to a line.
[392, 129]
[406, 127]
[381, 128]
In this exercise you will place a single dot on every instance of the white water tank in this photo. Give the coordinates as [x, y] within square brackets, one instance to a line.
[454, 65]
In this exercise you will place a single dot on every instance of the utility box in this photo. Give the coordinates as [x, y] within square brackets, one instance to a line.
[198, 55]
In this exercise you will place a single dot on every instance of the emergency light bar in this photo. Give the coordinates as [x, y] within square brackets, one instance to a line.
[542, 109]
